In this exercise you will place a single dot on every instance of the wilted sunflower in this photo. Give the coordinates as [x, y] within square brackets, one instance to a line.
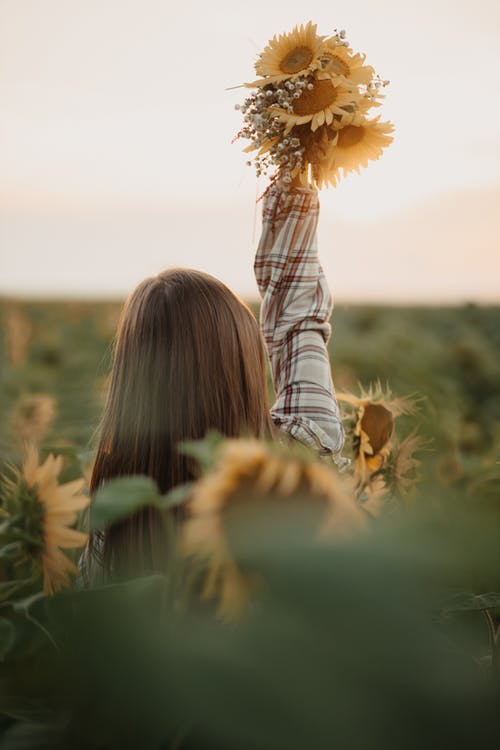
[374, 429]
[375, 494]
[33, 416]
[247, 471]
[399, 477]
[288, 56]
[319, 101]
[60, 506]
[403, 469]
[344, 66]
[356, 145]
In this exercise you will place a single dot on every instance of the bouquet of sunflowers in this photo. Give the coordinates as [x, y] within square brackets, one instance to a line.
[307, 118]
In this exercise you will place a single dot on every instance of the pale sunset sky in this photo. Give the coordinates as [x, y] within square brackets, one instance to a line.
[116, 158]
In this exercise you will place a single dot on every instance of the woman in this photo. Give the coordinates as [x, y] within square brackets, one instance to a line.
[189, 357]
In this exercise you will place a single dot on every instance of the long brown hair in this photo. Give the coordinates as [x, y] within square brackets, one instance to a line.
[188, 357]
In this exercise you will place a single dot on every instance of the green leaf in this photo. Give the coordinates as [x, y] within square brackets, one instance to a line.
[13, 592]
[7, 636]
[203, 451]
[24, 605]
[7, 587]
[5, 526]
[19, 535]
[120, 498]
[473, 602]
[177, 496]
[8, 552]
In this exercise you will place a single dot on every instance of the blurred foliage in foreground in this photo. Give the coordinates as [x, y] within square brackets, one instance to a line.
[384, 638]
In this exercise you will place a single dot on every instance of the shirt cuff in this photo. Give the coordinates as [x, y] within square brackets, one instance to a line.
[280, 200]
[310, 434]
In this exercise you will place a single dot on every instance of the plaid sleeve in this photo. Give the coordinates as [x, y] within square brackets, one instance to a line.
[296, 307]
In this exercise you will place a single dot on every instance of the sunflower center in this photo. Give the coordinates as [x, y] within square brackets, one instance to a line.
[378, 424]
[298, 59]
[321, 96]
[337, 65]
[350, 136]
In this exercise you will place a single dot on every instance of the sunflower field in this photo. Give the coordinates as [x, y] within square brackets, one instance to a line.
[300, 605]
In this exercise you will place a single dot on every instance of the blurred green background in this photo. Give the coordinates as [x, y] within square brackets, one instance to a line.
[450, 356]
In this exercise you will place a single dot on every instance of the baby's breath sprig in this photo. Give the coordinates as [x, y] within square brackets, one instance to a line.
[266, 132]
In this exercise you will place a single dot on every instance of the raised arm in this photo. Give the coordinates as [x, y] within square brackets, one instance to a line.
[296, 307]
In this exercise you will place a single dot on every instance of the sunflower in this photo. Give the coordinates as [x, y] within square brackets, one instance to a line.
[357, 144]
[361, 109]
[314, 81]
[399, 476]
[18, 332]
[344, 66]
[288, 56]
[60, 505]
[374, 430]
[33, 416]
[248, 471]
[404, 467]
[317, 103]
[375, 494]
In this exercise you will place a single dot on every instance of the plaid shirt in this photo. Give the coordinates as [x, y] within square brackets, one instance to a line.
[296, 307]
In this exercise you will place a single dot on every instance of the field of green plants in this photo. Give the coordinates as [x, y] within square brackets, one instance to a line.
[386, 636]
[449, 356]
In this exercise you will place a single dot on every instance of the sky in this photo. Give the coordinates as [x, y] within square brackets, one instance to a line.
[116, 158]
